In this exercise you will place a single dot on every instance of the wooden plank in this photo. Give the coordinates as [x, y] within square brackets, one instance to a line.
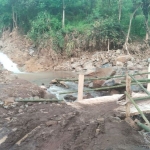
[128, 90]
[148, 86]
[80, 87]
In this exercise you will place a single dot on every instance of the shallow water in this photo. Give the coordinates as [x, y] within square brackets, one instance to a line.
[45, 77]
[8, 64]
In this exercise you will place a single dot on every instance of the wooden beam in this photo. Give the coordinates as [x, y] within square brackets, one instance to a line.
[80, 87]
[128, 90]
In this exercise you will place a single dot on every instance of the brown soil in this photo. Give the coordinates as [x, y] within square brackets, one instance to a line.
[35, 126]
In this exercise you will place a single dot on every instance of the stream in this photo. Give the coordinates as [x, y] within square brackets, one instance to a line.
[45, 78]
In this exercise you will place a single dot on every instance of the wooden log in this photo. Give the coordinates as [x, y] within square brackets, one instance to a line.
[128, 90]
[80, 87]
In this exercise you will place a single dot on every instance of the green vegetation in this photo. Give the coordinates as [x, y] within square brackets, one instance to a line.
[77, 25]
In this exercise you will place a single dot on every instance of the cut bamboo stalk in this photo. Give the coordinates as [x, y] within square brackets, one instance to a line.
[80, 87]
[101, 89]
[128, 90]
[143, 126]
[138, 109]
[38, 100]
[148, 93]
[148, 86]
[106, 78]
[141, 98]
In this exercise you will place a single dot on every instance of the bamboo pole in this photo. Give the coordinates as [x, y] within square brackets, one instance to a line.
[145, 90]
[101, 89]
[128, 90]
[148, 86]
[106, 78]
[39, 100]
[143, 126]
[138, 109]
[141, 98]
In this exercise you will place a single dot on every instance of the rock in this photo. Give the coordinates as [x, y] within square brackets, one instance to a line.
[130, 65]
[43, 87]
[118, 51]
[36, 98]
[64, 84]
[123, 58]
[109, 82]
[1, 102]
[49, 96]
[72, 60]
[88, 66]
[31, 52]
[117, 81]
[75, 65]
[87, 96]
[79, 68]
[102, 56]
[139, 66]
[135, 88]
[54, 81]
[118, 63]
[102, 72]
[112, 92]
[98, 83]
[105, 61]
[69, 98]
[106, 65]
[91, 85]
[51, 122]
[20, 110]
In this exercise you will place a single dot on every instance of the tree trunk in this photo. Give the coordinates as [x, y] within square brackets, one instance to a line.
[63, 18]
[129, 29]
[119, 9]
[108, 45]
[14, 17]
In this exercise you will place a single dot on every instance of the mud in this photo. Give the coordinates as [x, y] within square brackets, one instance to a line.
[57, 126]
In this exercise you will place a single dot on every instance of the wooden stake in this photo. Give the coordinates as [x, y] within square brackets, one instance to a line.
[148, 86]
[128, 90]
[80, 87]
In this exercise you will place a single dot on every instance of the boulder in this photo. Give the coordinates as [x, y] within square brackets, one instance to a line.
[102, 72]
[96, 84]
[123, 58]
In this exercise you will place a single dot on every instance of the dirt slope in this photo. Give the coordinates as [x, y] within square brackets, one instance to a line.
[61, 127]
